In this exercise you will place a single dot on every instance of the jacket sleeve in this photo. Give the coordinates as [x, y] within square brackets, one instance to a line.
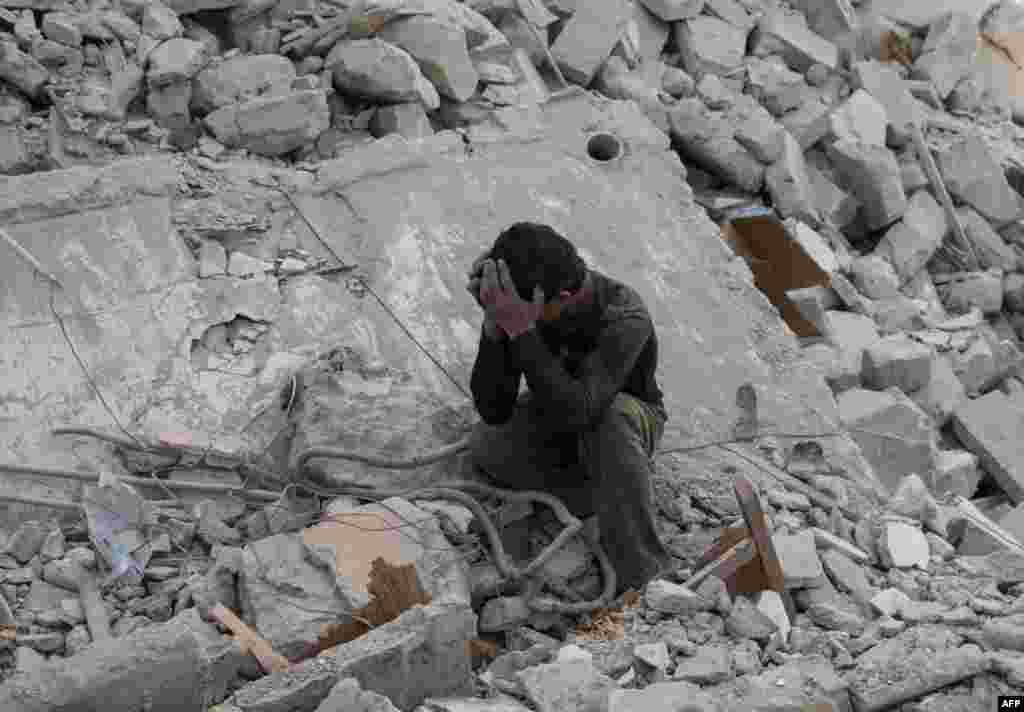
[495, 381]
[576, 404]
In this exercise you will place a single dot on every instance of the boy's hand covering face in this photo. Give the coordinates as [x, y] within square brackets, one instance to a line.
[512, 313]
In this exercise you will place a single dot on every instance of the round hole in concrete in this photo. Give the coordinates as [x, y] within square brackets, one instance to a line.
[604, 147]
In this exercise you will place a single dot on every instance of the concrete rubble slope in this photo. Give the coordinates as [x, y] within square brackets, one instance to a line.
[241, 228]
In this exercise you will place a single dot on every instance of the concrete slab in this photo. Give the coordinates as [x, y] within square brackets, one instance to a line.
[414, 214]
[920, 15]
[990, 427]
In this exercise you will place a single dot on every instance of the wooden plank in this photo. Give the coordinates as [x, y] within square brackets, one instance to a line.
[250, 640]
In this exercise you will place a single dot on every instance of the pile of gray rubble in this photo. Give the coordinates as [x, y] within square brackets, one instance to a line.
[900, 180]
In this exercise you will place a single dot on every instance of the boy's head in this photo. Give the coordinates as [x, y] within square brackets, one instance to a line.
[536, 254]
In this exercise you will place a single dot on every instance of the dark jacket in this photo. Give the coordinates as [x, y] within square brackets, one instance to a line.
[576, 366]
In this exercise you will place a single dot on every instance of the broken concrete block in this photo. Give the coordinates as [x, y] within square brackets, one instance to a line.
[990, 427]
[851, 334]
[871, 173]
[659, 697]
[241, 78]
[674, 10]
[891, 602]
[829, 18]
[710, 46]
[840, 374]
[408, 120]
[420, 654]
[441, 51]
[677, 83]
[898, 314]
[903, 545]
[973, 175]
[782, 33]
[943, 393]
[897, 361]
[808, 123]
[948, 52]
[912, 241]
[764, 138]
[805, 683]
[836, 207]
[348, 696]
[847, 575]
[895, 436]
[798, 556]
[860, 118]
[588, 38]
[21, 70]
[776, 87]
[714, 93]
[710, 666]
[26, 541]
[504, 613]
[174, 61]
[378, 70]
[989, 246]
[974, 290]
[575, 684]
[674, 599]
[790, 185]
[913, 499]
[705, 138]
[272, 126]
[747, 621]
[1013, 292]
[161, 22]
[956, 472]
[651, 32]
[875, 277]
[732, 11]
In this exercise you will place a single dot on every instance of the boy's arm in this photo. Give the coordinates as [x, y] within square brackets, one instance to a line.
[496, 374]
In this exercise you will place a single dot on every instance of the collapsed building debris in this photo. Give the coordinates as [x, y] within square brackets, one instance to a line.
[194, 178]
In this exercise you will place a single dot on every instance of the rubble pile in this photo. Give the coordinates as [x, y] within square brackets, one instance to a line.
[897, 179]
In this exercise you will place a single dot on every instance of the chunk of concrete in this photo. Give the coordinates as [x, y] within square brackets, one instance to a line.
[956, 472]
[710, 666]
[912, 241]
[674, 10]
[895, 436]
[408, 120]
[764, 138]
[240, 78]
[22, 70]
[161, 22]
[661, 697]
[441, 51]
[897, 361]
[348, 696]
[942, 394]
[379, 70]
[1013, 292]
[674, 599]
[573, 684]
[798, 556]
[875, 277]
[989, 246]
[851, 334]
[974, 290]
[836, 207]
[902, 545]
[860, 118]
[182, 664]
[26, 541]
[990, 427]
[175, 60]
[588, 38]
[747, 621]
[272, 126]
[790, 185]
[948, 52]
[807, 123]
[973, 175]
[782, 33]
[828, 18]
[705, 138]
[732, 11]
[847, 575]
[872, 174]
[776, 87]
[710, 46]
[805, 683]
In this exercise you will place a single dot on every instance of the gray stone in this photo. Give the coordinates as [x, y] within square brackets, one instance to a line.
[894, 434]
[241, 78]
[973, 175]
[808, 683]
[808, 123]
[299, 689]
[674, 10]
[213, 260]
[902, 545]
[651, 32]
[160, 22]
[875, 277]
[27, 540]
[381, 71]
[588, 38]
[861, 118]
[710, 45]
[897, 361]
[53, 545]
[948, 52]
[834, 615]
[871, 173]
[847, 575]
[981, 290]
[989, 427]
[272, 126]
[746, 620]
[956, 471]
[714, 93]
[1013, 292]
[174, 61]
[732, 11]
[836, 207]
[674, 599]
[776, 87]
[169, 104]
[573, 684]
[347, 696]
[764, 138]
[790, 185]
[62, 27]
[504, 613]
[710, 666]
[912, 241]
[828, 18]
[942, 394]
[705, 138]
[123, 27]
[851, 334]
[66, 573]
[662, 697]
[991, 249]
[653, 655]
[798, 556]
[781, 33]
[677, 83]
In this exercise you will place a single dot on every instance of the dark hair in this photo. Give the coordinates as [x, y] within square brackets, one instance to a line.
[536, 254]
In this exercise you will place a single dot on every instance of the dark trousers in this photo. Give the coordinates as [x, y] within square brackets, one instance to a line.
[604, 471]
